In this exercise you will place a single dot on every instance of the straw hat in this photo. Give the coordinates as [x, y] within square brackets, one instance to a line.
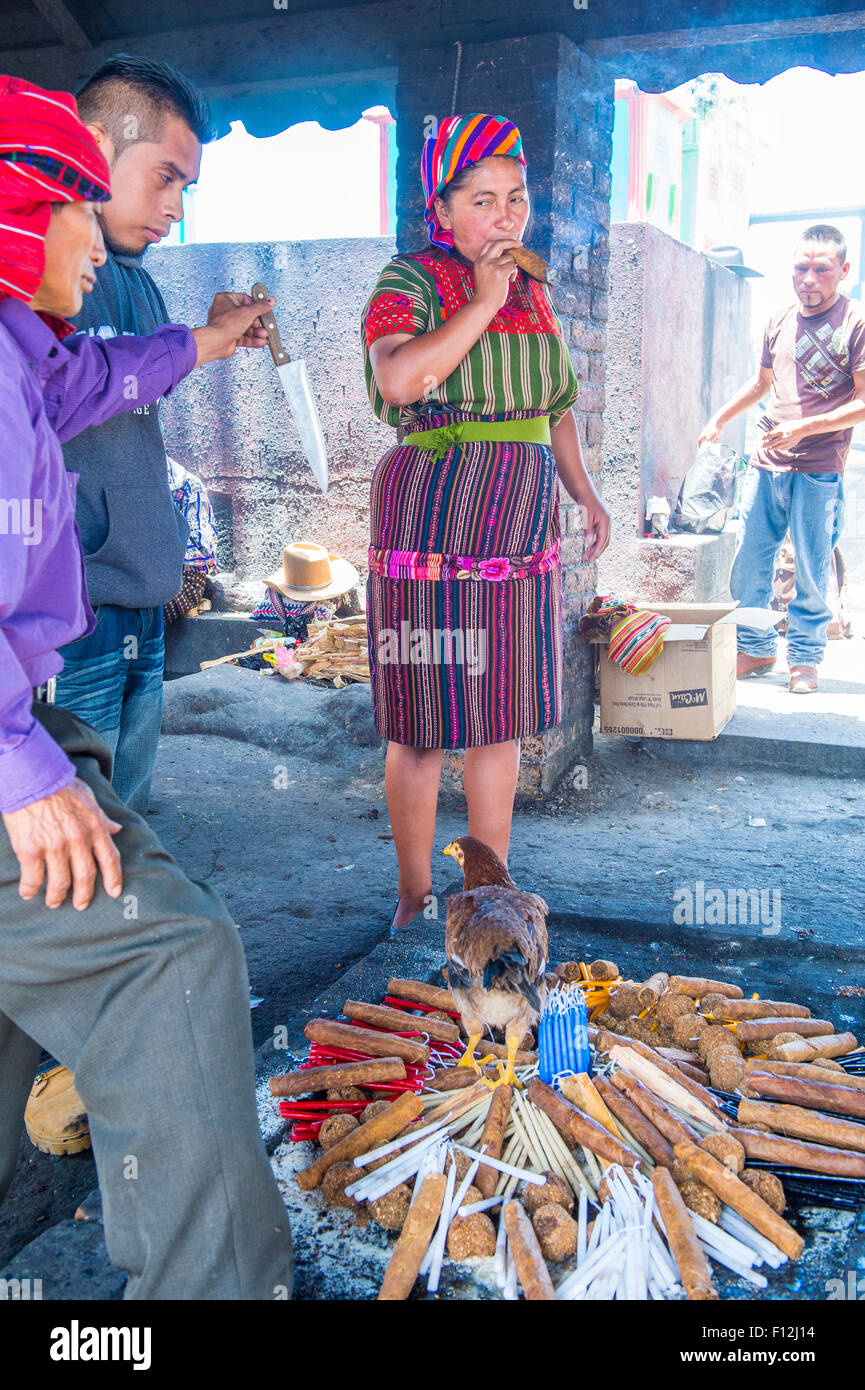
[309, 572]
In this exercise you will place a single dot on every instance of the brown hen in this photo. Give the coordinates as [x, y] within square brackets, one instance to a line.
[497, 948]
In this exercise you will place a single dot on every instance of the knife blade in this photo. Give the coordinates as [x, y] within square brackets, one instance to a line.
[298, 393]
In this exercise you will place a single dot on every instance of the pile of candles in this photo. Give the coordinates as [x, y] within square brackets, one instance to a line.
[563, 1035]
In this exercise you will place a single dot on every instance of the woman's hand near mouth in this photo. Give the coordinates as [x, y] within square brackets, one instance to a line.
[494, 271]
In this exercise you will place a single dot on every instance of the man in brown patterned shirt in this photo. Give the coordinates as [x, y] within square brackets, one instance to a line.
[813, 366]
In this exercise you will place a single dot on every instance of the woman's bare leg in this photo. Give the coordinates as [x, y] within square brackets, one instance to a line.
[490, 781]
[412, 778]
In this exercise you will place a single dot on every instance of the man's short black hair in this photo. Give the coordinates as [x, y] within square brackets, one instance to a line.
[826, 235]
[131, 97]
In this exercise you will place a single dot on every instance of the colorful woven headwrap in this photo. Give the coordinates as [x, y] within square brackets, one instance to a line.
[46, 156]
[462, 140]
[636, 636]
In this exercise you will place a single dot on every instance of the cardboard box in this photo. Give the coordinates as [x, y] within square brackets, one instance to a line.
[690, 691]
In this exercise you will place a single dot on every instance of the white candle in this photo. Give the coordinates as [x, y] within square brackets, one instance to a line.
[499, 1263]
[582, 1216]
[736, 1226]
[511, 1275]
[522, 1174]
[435, 1253]
[474, 1207]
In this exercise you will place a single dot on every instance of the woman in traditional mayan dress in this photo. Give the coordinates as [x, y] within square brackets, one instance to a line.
[464, 353]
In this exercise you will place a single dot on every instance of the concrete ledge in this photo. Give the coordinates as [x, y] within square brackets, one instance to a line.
[193, 640]
[735, 749]
[681, 569]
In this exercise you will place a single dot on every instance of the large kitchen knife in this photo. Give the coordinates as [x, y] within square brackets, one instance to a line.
[295, 384]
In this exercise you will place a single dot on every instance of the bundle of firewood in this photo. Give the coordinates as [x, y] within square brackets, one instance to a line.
[513, 1175]
[335, 650]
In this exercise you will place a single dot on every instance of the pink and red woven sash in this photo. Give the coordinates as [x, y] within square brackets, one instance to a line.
[421, 564]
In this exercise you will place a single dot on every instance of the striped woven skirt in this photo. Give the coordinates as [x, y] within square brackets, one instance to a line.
[464, 596]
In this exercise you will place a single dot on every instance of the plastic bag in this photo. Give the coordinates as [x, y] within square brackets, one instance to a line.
[708, 491]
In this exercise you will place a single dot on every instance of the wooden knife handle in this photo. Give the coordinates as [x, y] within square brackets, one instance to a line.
[268, 323]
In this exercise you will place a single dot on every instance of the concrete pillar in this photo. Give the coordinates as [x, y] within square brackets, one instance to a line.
[677, 348]
[562, 102]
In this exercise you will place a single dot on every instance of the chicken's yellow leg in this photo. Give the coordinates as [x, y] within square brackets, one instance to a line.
[468, 1057]
[507, 1075]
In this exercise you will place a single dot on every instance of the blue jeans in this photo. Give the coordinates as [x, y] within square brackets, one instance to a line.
[811, 507]
[113, 681]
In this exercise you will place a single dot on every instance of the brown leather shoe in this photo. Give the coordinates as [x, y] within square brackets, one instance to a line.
[747, 665]
[803, 680]
[55, 1117]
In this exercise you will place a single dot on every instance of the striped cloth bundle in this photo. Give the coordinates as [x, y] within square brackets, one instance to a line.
[636, 636]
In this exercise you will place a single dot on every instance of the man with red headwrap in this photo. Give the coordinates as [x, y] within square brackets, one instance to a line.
[127, 972]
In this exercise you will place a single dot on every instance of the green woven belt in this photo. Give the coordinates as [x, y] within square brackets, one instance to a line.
[533, 431]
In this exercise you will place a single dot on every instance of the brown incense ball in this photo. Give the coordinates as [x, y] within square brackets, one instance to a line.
[556, 1232]
[338, 1177]
[726, 1149]
[569, 970]
[701, 1199]
[554, 1192]
[471, 1237]
[527, 1042]
[687, 1027]
[671, 1006]
[463, 1164]
[391, 1210]
[766, 1185]
[605, 1020]
[652, 1036]
[375, 1107]
[624, 1001]
[335, 1128]
[680, 1173]
[715, 1036]
[440, 1015]
[346, 1093]
[726, 1069]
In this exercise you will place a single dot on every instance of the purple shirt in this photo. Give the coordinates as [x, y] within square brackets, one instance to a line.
[49, 392]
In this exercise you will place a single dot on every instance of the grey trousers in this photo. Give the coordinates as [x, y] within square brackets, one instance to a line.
[146, 998]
